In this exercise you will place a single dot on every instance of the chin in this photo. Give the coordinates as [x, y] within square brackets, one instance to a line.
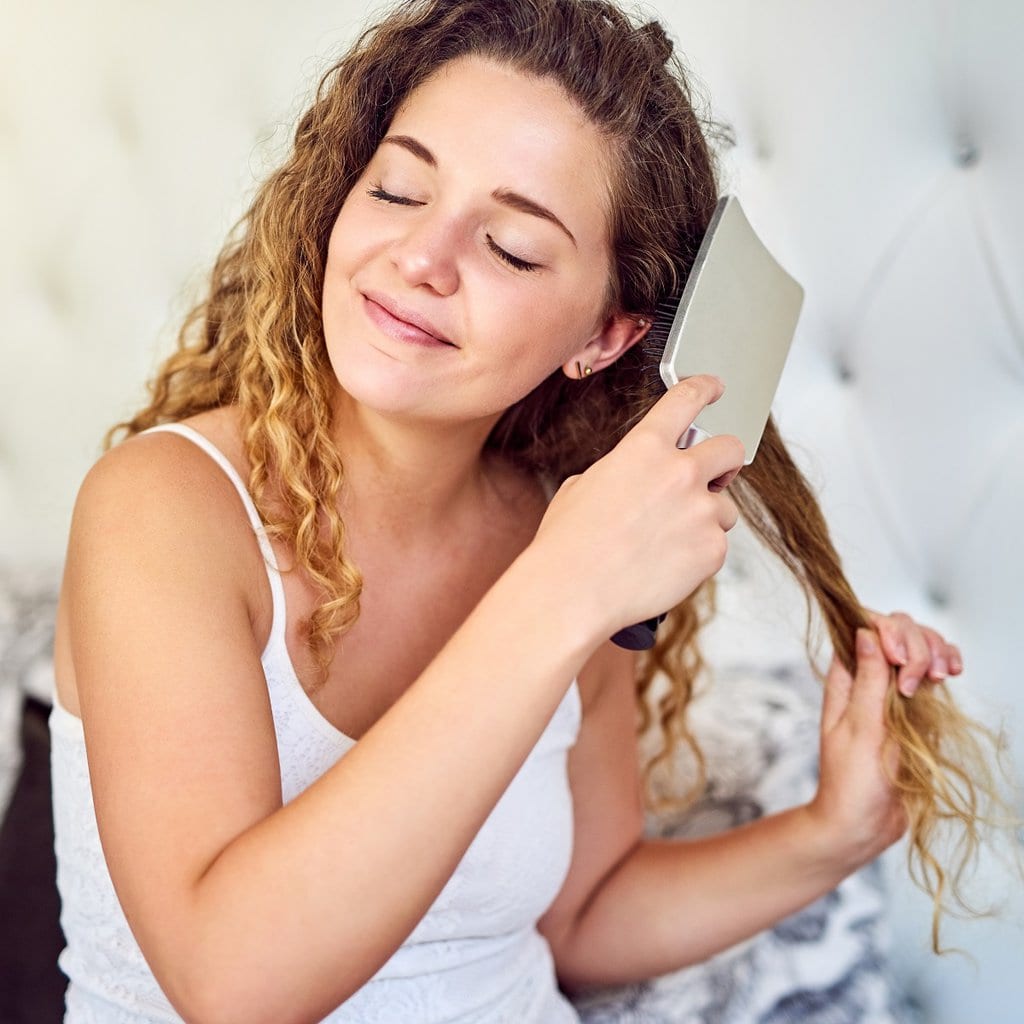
[388, 387]
[376, 389]
[371, 377]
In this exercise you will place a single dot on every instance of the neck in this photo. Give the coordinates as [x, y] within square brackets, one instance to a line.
[410, 478]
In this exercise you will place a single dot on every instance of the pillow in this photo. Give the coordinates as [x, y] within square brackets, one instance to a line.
[28, 604]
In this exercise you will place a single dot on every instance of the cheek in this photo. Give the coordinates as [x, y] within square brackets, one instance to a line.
[533, 339]
[337, 255]
[563, 323]
[352, 237]
[525, 325]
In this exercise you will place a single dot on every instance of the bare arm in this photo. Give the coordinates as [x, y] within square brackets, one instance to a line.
[673, 902]
[667, 904]
[246, 909]
[632, 908]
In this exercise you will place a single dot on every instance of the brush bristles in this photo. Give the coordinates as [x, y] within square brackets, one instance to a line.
[655, 340]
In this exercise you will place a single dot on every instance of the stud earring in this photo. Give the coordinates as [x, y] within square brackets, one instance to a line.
[580, 373]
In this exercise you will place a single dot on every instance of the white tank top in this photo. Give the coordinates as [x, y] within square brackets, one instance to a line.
[475, 958]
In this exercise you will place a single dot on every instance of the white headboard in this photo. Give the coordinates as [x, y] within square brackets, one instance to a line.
[880, 155]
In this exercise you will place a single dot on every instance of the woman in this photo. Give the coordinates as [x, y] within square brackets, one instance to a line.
[396, 780]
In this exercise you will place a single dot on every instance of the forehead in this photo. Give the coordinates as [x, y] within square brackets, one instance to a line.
[491, 125]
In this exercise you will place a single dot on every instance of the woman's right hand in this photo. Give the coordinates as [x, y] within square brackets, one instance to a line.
[641, 529]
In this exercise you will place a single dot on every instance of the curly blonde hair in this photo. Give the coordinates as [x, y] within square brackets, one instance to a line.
[256, 340]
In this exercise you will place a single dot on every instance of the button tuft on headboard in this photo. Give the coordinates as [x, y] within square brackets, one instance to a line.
[967, 154]
[843, 369]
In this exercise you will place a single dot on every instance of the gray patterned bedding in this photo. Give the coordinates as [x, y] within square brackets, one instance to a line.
[826, 964]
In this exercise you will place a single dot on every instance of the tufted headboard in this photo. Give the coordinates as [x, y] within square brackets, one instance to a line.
[880, 154]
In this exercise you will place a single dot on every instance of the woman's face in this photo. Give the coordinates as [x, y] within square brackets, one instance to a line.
[483, 219]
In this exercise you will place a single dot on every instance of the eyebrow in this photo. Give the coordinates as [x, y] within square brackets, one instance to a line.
[505, 196]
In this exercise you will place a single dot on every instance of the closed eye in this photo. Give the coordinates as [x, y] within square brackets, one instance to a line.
[512, 261]
[377, 192]
[516, 262]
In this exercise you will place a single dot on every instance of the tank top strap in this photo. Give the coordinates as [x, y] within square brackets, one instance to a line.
[269, 558]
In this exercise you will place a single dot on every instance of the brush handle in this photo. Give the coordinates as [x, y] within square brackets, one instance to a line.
[639, 637]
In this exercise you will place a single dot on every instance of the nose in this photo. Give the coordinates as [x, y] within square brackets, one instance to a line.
[425, 253]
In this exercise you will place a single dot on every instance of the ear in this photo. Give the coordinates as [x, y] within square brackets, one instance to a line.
[619, 333]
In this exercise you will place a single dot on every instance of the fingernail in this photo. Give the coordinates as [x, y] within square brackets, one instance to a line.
[866, 642]
[955, 663]
[901, 653]
[908, 686]
[940, 669]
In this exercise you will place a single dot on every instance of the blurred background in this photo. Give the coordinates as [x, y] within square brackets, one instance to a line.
[879, 151]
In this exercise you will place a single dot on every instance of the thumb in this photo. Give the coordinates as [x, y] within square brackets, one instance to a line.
[838, 686]
[682, 404]
[872, 680]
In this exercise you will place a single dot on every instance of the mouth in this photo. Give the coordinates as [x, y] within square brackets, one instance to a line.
[401, 322]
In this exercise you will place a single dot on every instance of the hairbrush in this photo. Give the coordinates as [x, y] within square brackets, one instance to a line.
[736, 318]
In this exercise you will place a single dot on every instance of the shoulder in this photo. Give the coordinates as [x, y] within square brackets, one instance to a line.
[159, 497]
[167, 463]
[160, 474]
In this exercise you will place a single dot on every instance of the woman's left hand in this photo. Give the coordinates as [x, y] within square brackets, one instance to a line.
[857, 807]
[920, 651]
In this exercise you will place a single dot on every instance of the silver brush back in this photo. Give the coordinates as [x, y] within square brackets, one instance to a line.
[736, 318]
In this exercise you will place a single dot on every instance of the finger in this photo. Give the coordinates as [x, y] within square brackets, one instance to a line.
[681, 405]
[838, 686]
[939, 668]
[676, 410]
[728, 513]
[919, 654]
[871, 681]
[720, 483]
[892, 641]
[718, 459]
[944, 659]
[956, 661]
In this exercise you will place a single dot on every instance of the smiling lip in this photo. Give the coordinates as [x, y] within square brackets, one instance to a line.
[402, 323]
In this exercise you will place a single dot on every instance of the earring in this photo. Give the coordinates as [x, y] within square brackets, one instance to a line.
[579, 373]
